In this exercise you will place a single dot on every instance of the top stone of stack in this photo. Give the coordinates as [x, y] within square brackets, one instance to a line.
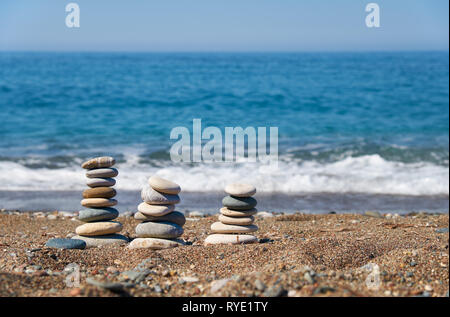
[99, 162]
[163, 185]
[240, 190]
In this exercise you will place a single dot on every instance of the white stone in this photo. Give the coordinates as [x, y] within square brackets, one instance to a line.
[155, 210]
[240, 190]
[154, 243]
[218, 227]
[230, 239]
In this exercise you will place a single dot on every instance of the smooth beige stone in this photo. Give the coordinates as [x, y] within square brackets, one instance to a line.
[163, 185]
[102, 240]
[218, 227]
[154, 243]
[99, 162]
[98, 202]
[154, 197]
[102, 173]
[240, 190]
[98, 228]
[241, 221]
[155, 210]
[238, 213]
[99, 192]
[230, 239]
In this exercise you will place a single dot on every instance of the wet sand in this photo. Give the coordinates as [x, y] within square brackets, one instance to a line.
[297, 255]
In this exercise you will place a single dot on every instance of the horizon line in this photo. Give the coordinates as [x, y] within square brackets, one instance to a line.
[230, 51]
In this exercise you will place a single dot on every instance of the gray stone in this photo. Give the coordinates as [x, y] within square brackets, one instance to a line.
[163, 230]
[59, 243]
[102, 240]
[442, 230]
[135, 276]
[239, 203]
[100, 182]
[153, 197]
[175, 217]
[275, 291]
[102, 172]
[112, 286]
[97, 214]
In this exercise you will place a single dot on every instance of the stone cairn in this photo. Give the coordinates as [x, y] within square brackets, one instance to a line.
[99, 229]
[236, 217]
[161, 225]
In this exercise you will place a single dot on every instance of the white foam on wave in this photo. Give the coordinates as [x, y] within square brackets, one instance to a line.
[364, 174]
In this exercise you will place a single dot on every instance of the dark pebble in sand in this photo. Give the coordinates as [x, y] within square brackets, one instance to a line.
[59, 243]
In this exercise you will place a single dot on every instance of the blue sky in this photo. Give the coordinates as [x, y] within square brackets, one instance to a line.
[224, 25]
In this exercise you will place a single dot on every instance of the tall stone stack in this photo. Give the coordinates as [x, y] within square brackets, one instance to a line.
[160, 224]
[236, 217]
[99, 229]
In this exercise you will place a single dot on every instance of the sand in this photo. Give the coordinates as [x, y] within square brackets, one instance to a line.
[298, 255]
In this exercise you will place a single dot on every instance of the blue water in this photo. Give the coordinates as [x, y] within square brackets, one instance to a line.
[348, 122]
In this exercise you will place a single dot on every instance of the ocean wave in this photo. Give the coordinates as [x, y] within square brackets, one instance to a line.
[370, 174]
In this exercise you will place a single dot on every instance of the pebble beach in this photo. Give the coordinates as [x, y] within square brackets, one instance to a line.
[296, 255]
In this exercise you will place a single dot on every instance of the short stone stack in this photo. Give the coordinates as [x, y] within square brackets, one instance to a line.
[161, 225]
[99, 229]
[236, 217]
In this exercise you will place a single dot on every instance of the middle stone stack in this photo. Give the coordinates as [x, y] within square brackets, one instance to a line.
[161, 225]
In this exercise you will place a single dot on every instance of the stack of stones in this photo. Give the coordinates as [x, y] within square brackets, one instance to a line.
[99, 229]
[236, 217]
[161, 225]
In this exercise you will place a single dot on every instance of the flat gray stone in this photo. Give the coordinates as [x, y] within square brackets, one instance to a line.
[102, 172]
[239, 203]
[175, 217]
[102, 240]
[60, 243]
[100, 182]
[97, 214]
[164, 230]
[153, 197]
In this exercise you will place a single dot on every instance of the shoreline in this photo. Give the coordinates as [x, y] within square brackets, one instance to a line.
[210, 202]
[297, 255]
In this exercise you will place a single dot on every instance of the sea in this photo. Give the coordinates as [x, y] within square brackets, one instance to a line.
[356, 131]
